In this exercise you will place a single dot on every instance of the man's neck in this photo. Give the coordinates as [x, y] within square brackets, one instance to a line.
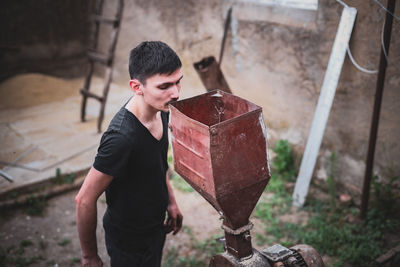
[142, 111]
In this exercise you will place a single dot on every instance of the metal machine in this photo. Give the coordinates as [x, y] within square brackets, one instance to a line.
[219, 145]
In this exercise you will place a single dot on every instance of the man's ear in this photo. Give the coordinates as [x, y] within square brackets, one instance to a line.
[136, 86]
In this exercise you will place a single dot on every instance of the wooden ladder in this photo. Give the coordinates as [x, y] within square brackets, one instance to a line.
[105, 59]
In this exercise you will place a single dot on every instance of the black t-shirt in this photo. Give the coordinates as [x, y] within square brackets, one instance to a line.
[137, 197]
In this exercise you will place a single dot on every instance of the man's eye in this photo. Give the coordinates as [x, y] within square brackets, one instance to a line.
[163, 87]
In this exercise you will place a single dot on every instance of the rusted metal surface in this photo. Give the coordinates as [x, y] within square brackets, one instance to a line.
[280, 256]
[209, 70]
[239, 245]
[220, 149]
[211, 74]
[227, 260]
[309, 255]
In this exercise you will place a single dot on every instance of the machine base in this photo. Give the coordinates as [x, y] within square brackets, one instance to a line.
[227, 260]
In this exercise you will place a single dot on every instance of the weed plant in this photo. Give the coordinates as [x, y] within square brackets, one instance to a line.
[35, 205]
[63, 179]
[64, 242]
[384, 195]
[283, 163]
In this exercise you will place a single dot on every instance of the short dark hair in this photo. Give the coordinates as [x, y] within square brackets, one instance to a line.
[150, 58]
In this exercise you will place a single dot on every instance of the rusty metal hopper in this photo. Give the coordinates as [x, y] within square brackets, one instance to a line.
[220, 149]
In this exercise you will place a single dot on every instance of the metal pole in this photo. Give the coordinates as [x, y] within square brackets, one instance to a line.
[226, 28]
[377, 108]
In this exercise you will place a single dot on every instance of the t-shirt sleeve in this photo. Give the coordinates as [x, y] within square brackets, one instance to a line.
[113, 154]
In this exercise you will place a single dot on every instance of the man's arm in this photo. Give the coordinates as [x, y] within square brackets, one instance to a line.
[175, 218]
[86, 214]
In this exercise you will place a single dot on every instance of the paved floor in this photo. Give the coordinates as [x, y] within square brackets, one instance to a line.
[41, 138]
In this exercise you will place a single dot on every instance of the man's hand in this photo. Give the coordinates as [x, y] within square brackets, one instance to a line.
[91, 262]
[174, 220]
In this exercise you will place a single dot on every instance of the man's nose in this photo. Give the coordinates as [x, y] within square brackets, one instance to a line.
[175, 91]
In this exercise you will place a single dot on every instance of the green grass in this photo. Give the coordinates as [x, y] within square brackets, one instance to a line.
[14, 255]
[332, 234]
[328, 229]
[202, 252]
[331, 229]
[173, 259]
[180, 184]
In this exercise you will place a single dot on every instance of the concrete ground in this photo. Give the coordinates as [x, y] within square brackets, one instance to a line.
[40, 128]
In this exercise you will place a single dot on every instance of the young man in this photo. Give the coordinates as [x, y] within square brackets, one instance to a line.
[131, 166]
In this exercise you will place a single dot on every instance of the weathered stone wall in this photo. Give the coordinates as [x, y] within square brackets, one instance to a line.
[43, 36]
[281, 68]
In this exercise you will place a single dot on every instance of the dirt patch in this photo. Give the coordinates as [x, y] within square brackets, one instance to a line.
[296, 216]
[199, 215]
[53, 237]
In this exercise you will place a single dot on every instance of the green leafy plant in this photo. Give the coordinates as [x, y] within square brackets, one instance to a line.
[385, 198]
[64, 242]
[283, 163]
[63, 179]
[35, 205]
[328, 228]
[282, 169]
[276, 185]
[75, 260]
[25, 243]
[331, 180]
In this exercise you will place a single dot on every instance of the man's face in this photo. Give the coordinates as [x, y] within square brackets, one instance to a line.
[161, 89]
